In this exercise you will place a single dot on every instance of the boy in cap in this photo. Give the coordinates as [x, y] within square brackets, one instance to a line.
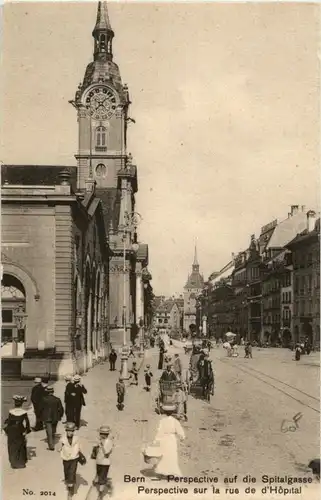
[69, 448]
[101, 453]
[37, 395]
[120, 389]
[134, 374]
[148, 377]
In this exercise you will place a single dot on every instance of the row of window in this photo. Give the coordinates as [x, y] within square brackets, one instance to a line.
[272, 319]
[303, 284]
[286, 297]
[301, 259]
[160, 320]
[287, 314]
[272, 303]
[305, 307]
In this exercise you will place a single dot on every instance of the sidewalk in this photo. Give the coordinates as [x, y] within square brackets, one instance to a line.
[131, 428]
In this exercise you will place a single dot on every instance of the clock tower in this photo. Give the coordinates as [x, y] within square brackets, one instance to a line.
[105, 168]
[102, 103]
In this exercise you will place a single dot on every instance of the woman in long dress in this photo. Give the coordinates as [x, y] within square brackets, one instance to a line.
[168, 430]
[16, 426]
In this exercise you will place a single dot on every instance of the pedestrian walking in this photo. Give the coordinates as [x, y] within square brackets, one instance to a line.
[121, 391]
[298, 351]
[16, 427]
[101, 453]
[131, 351]
[235, 351]
[52, 413]
[177, 366]
[67, 399]
[250, 350]
[134, 374]
[161, 354]
[169, 429]
[70, 452]
[77, 401]
[180, 400]
[37, 395]
[112, 360]
[148, 378]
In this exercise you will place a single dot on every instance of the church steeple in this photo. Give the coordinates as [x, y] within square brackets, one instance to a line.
[103, 35]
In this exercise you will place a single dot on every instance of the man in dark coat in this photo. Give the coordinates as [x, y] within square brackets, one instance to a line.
[52, 413]
[168, 375]
[205, 373]
[68, 405]
[76, 397]
[37, 395]
[112, 360]
[161, 354]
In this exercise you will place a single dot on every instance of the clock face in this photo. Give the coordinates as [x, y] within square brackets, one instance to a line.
[101, 102]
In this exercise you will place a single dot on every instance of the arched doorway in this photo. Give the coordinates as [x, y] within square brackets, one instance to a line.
[13, 309]
[286, 338]
[308, 332]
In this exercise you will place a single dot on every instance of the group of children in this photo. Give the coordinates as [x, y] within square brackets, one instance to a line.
[133, 380]
[71, 454]
[180, 396]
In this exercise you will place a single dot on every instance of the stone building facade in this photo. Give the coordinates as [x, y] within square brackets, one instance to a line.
[70, 237]
[54, 251]
[305, 248]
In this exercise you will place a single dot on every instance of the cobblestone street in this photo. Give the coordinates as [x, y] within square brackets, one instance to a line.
[245, 414]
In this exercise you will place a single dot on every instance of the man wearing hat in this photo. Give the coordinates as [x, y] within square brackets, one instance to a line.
[68, 405]
[70, 452]
[168, 375]
[75, 397]
[101, 452]
[37, 395]
[178, 366]
[52, 413]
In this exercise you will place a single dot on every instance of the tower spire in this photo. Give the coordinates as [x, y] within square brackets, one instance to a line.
[195, 263]
[103, 34]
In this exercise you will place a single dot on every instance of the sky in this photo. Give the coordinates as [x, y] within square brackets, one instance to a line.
[226, 103]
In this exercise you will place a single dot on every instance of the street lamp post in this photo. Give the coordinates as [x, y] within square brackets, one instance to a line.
[141, 337]
[19, 317]
[131, 222]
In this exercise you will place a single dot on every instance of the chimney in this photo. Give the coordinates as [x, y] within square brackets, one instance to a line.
[311, 218]
[294, 209]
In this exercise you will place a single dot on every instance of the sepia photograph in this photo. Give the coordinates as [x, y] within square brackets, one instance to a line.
[160, 250]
